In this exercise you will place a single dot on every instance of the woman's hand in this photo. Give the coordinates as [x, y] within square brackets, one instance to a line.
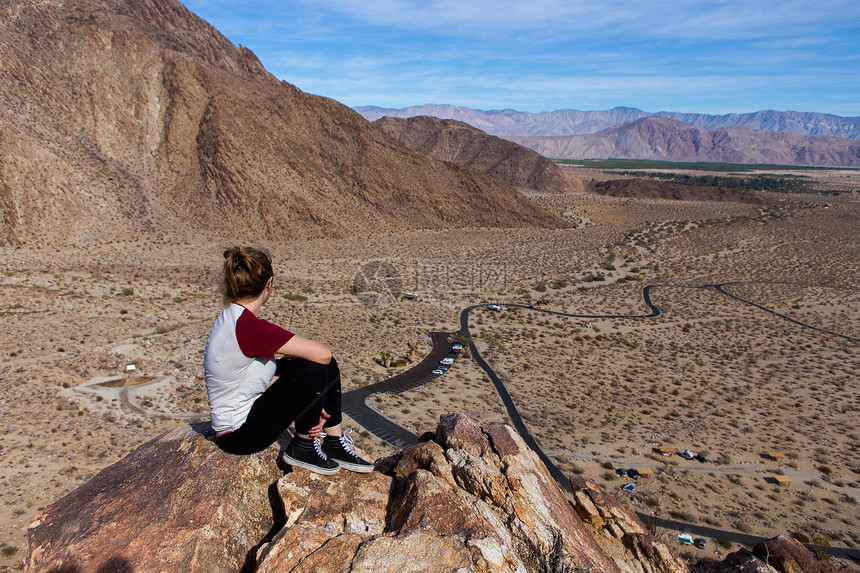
[315, 431]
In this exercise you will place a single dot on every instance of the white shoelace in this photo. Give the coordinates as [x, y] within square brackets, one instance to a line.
[347, 443]
[345, 440]
[318, 448]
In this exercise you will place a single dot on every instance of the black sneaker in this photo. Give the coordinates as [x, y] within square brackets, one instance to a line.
[342, 450]
[306, 453]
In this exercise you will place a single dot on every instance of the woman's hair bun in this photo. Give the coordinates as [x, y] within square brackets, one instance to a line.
[246, 272]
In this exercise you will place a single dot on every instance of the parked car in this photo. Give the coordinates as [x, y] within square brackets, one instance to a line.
[456, 346]
[622, 472]
[700, 543]
[701, 458]
[687, 454]
[632, 473]
[685, 538]
[438, 372]
[447, 361]
[494, 307]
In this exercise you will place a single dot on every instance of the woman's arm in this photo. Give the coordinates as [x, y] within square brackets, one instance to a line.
[301, 347]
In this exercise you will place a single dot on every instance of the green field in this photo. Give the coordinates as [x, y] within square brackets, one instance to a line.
[698, 166]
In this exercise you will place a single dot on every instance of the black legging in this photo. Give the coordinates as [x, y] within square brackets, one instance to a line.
[300, 393]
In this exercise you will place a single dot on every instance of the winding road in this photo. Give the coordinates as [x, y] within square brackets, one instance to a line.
[387, 430]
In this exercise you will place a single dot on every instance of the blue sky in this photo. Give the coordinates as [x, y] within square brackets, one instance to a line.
[705, 56]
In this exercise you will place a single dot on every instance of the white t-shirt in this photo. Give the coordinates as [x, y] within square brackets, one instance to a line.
[239, 364]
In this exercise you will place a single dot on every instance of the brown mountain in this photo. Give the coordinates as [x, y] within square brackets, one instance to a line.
[662, 138]
[465, 145]
[127, 119]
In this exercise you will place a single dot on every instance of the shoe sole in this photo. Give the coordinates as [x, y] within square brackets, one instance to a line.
[316, 469]
[358, 468]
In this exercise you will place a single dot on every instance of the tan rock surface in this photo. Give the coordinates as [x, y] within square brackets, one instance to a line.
[177, 503]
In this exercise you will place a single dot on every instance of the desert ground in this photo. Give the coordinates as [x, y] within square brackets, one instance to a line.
[712, 373]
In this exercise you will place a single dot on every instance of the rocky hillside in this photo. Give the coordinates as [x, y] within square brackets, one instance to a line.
[508, 122]
[128, 119]
[667, 139]
[460, 143]
[468, 498]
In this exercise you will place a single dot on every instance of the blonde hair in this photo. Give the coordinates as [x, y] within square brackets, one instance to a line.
[246, 272]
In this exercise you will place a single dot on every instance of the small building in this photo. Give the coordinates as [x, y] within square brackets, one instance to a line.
[645, 472]
[782, 479]
[776, 456]
[666, 450]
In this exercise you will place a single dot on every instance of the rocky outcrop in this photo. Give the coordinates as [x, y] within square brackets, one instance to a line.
[472, 498]
[460, 143]
[791, 556]
[177, 503]
[620, 532]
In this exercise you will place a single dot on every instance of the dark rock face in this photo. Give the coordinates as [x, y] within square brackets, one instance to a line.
[460, 143]
[177, 503]
[791, 556]
[130, 119]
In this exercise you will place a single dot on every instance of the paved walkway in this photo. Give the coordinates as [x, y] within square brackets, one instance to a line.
[354, 402]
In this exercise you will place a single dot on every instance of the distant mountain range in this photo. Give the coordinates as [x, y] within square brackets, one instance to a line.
[508, 122]
[789, 138]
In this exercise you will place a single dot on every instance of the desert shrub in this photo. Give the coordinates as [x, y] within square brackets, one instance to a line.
[724, 542]
[294, 297]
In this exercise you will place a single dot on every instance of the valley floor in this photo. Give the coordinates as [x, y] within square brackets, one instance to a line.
[712, 374]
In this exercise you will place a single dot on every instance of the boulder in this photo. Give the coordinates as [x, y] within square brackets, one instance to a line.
[789, 555]
[473, 499]
[741, 561]
[176, 503]
[620, 532]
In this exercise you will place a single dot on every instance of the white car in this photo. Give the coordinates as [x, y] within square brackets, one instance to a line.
[494, 307]
[438, 372]
[457, 346]
[447, 361]
[687, 454]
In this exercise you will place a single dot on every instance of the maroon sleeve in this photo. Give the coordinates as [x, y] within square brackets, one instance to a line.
[258, 337]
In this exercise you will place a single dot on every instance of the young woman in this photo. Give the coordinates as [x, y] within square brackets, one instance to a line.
[253, 398]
